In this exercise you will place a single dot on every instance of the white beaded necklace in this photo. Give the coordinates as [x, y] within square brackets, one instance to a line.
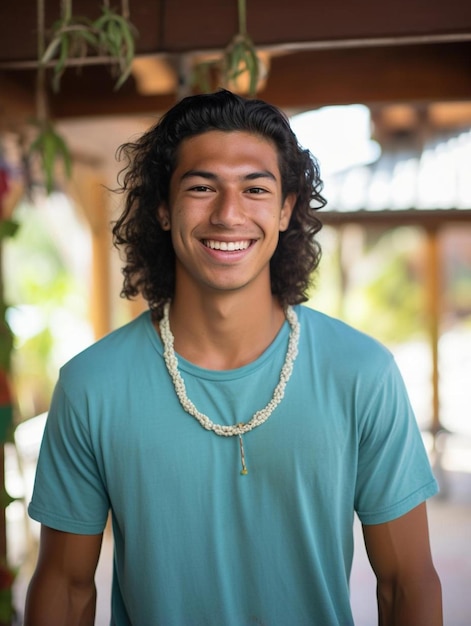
[260, 416]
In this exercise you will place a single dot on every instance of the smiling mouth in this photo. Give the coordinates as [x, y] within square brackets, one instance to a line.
[227, 246]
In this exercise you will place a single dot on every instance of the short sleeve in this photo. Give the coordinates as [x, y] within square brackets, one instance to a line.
[68, 494]
[394, 473]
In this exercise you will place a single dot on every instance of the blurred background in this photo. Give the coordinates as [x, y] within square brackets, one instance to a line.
[381, 96]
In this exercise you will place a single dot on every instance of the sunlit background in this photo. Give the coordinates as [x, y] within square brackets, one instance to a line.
[384, 292]
[372, 278]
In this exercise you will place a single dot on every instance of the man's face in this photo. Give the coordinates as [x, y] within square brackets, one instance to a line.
[225, 211]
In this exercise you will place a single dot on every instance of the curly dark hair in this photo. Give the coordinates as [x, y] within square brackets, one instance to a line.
[149, 256]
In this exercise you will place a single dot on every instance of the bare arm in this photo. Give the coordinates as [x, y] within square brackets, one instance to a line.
[409, 590]
[62, 590]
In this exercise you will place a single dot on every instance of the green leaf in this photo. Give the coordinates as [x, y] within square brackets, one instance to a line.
[201, 76]
[50, 146]
[253, 68]
[117, 39]
[6, 498]
[240, 58]
[62, 150]
[8, 228]
[51, 50]
[59, 67]
[6, 347]
[90, 37]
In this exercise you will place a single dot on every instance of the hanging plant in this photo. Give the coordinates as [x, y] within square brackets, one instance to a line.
[116, 38]
[69, 40]
[110, 38]
[239, 61]
[51, 148]
[240, 57]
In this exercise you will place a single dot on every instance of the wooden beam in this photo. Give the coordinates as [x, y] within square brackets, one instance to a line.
[297, 81]
[383, 74]
[184, 25]
[427, 218]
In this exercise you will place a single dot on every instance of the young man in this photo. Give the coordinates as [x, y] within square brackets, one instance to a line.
[231, 432]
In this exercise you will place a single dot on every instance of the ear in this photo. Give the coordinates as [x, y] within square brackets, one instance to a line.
[287, 211]
[163, 215]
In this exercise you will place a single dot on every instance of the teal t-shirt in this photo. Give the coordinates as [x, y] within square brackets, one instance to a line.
[197, 543]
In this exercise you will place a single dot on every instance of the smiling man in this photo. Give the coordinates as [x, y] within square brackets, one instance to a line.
[232, 433]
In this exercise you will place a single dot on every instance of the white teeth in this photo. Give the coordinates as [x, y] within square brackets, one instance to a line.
[227, 245]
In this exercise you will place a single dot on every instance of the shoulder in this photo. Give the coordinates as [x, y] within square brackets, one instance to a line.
[119, 349]
[332, 336]
[343, 356]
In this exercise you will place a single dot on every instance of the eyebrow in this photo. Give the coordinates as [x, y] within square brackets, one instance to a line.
[212, 176]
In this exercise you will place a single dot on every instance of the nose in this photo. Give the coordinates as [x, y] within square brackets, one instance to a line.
[228, 209]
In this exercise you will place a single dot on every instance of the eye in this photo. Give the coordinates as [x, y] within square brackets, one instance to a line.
[256, 190]
[200, 188]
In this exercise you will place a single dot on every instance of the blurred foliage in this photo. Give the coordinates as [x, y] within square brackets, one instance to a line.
[50, 147]
[391, 302]
[383, 292]
[38, 284]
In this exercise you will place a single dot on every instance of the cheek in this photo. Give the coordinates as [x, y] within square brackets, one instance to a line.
[182, 229]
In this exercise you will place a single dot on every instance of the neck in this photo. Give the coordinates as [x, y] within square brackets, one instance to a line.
[260, 416]
[224, 332]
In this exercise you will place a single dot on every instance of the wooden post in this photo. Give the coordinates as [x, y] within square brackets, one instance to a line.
[89, 190]
[100, 305]
[434, 301]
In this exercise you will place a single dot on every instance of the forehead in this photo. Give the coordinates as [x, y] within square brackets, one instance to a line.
[220, 147]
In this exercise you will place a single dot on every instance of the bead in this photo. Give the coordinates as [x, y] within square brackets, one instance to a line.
[244, 471]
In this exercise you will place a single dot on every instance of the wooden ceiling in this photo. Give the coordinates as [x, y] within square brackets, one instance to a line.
[333, 52]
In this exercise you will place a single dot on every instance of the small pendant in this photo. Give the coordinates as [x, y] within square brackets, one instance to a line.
[244, 471]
